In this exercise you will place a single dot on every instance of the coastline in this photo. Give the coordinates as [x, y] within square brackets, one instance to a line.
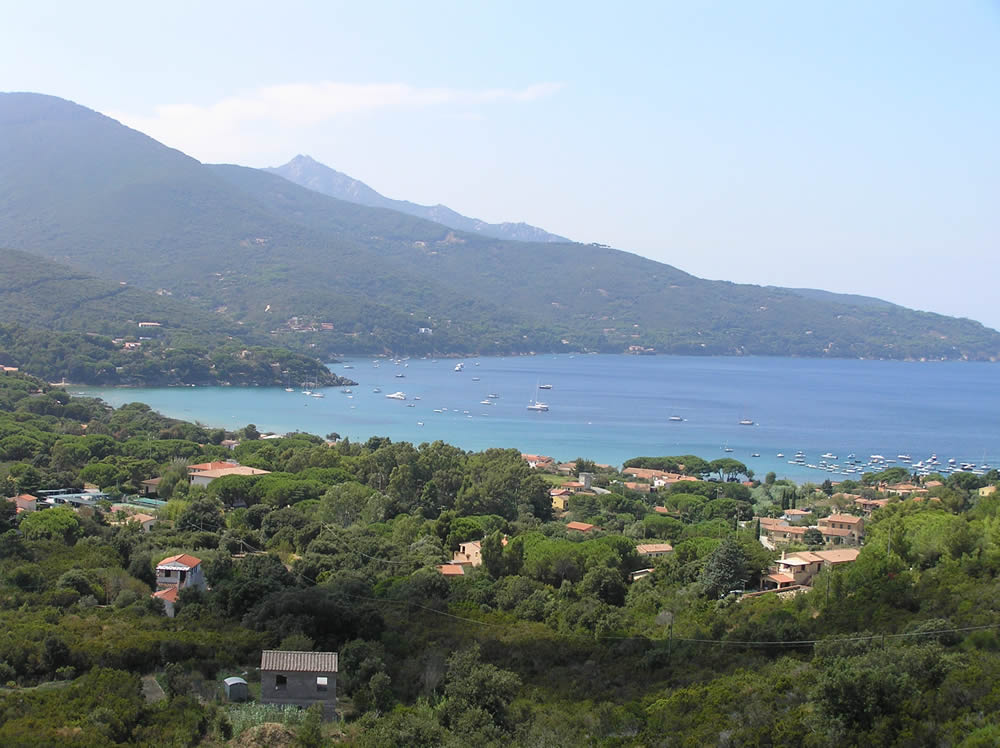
[615, 407]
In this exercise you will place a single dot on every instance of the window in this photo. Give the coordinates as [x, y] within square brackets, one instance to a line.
[280, 682]
[182, 574]
[166, 573]
[321, 683]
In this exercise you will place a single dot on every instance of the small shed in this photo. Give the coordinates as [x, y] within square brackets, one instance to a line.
[236, 689]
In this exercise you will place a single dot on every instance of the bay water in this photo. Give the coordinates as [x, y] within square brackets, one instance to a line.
[609, 408]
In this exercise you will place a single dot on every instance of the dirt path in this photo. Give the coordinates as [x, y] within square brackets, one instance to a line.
[151, 689]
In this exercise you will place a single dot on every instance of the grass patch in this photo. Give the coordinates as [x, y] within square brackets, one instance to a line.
[246, 716]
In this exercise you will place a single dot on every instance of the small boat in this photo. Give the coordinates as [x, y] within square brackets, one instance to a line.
[307, 392]
[829, 456]
[410, 405]
[485, 402]
[755, 454]
[746, 422]
[545, 386]
[780, 454]
[459, 366]
[475, 379]
[318, 394]
[289, 389]
[675, 418]
[377, 390]
[727, 449]
[348, 366]
[401, 375]
[397, 396]
[347, 391]
[420, 423]
[416, 397]
[493, 396]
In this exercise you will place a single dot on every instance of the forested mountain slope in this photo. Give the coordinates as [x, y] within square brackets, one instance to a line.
[61, 323]
[79, 187]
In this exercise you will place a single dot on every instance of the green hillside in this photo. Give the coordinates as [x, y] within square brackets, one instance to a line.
[309, 270]
[60, 323]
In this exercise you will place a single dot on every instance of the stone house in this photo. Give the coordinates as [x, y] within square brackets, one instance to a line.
[299, 678]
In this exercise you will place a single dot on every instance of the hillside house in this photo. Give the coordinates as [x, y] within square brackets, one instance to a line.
[181, 571]
[24, 502]
[470, 553]
[778, 534]
[580, 527]
[300, 679]
[560, 498]
[123, 515]
[451, 570]
[542, 462]
[867, 506]
[835, 535]
[902, 489]
[987, 491]
[150, 487]
[799, 569]
[174, 574]
[204, 477]
[855, 527]
[795, 514]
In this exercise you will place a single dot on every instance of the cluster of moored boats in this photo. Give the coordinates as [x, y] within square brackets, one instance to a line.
[853, 465]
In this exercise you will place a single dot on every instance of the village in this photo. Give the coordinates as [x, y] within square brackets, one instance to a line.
[805, 529]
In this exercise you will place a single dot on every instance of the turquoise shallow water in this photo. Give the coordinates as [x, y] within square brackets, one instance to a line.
[611, 408]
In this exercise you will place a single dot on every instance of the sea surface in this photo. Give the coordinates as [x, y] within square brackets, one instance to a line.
[610, 408]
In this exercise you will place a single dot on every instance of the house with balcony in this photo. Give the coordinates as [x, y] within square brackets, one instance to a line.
[174, 574]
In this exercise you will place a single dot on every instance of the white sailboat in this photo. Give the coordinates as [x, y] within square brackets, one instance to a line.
[536, 404]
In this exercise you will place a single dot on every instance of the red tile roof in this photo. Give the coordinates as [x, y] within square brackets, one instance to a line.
[849, 519]
[579, 526]
[210, 466]
[839, 556]
[169, 594]
[183, 559]
[650, 548]
[451, 570]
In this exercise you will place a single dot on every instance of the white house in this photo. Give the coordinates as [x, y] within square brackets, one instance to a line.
[174, 574]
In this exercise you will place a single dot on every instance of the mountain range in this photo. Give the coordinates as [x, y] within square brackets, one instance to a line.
[309, 173]
[304, 270]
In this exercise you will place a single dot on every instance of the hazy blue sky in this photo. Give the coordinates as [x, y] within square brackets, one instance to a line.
[851, 146]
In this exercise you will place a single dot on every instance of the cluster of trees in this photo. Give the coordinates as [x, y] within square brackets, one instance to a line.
[541, 645]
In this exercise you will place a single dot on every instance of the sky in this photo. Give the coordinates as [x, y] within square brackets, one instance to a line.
[851, 146]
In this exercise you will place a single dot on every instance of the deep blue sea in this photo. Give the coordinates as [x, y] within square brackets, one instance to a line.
[611, 408]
